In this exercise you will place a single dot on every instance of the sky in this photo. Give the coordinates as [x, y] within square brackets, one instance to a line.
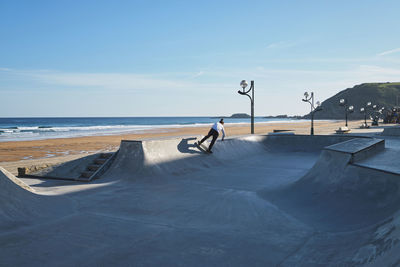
[187, 58]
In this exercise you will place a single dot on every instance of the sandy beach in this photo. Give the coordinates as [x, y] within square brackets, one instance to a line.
[52, 151]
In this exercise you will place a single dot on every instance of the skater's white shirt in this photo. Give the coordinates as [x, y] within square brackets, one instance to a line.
[219, 128]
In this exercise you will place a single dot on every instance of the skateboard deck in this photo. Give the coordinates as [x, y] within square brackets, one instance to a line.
[202, 148]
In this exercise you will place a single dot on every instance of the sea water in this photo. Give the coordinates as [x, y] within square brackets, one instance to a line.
[21, 129]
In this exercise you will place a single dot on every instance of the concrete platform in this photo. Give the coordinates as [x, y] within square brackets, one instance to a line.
[387, 160]
[391, 131]
[278, 200]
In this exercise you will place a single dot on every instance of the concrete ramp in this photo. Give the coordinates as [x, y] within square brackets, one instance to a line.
[175, 156]
[17, 201]
[9, 183]
[19, 205]
[180, 156]
[338, 195]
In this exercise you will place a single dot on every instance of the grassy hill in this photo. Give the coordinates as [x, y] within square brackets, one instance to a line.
[381, 94]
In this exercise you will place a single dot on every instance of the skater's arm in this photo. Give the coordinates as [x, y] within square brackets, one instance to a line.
[223, 133]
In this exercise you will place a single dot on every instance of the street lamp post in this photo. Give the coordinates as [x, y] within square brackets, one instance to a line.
[310, 99]
[244, 84]
[347, 109]
[364, 110]
[376, 114]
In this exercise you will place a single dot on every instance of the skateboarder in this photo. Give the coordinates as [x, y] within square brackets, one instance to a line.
[214, 132]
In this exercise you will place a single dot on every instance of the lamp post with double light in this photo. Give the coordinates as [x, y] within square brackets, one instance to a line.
[376, 114]
[365, 110]
[347, 109]
[309, 98]
[244, 84]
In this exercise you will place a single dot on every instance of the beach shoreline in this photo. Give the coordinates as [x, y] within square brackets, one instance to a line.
[30, 129]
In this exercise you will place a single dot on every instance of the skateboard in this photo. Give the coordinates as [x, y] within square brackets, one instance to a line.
[202, 148]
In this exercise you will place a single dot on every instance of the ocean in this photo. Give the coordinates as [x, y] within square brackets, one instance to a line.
[22, 129]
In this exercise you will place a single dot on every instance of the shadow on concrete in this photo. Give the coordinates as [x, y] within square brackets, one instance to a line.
[185, 147]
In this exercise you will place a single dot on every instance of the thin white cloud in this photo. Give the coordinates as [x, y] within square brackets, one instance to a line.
[200, 73]
[105, 80]
[388, 52]
[273, 86]
[128, 82]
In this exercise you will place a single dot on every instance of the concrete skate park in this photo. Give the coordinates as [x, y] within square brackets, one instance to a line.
[259, 200]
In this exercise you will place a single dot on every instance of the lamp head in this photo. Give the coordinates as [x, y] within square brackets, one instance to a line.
[243, 84]
[342, 102]
[369, 104]
[362, 109]
[306, 95]
[374, 106]
[351, 109]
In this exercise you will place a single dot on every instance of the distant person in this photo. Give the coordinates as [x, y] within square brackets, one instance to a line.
[214, 132]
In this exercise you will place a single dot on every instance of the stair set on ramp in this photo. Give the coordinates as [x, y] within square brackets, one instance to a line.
[93, 170]
[83, 170]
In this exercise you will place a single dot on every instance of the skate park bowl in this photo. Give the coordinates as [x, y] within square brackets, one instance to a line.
[261, 200]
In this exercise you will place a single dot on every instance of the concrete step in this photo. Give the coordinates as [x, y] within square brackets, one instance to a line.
[386, 161]
[359, 148]
[94, 167]
[106, 155]
[87, 174]
[391, 131]
[83, 179]
[100, 161]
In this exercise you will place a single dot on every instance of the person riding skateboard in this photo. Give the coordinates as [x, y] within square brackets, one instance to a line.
[214, 132]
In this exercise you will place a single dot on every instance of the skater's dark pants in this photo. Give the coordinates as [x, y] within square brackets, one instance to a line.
[214, 135]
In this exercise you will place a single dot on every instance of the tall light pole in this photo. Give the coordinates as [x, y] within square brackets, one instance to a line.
[244, 84]
[347, 109]
[376, 114]
[310, 99]
[364, 110]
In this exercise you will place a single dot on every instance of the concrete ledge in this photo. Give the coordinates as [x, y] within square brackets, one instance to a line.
[281, 133]
[378, 169]
[391, 131]
[359, 148]
[343, 130]
[304, 143]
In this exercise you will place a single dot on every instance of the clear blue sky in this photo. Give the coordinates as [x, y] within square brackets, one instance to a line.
[183, 58]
